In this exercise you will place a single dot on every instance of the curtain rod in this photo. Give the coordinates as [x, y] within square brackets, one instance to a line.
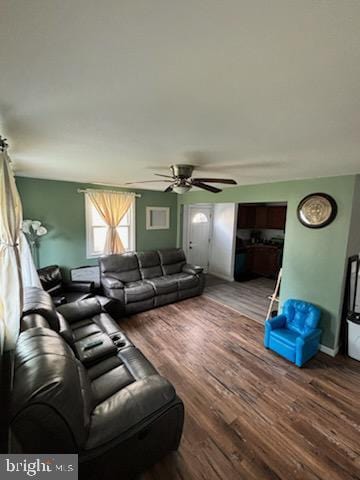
[137, 195]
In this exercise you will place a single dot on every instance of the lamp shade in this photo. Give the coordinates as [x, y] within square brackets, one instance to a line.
[181, 189]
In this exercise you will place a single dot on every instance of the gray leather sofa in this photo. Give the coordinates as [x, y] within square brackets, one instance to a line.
[81, 386]
[143, 280]
[63, 292]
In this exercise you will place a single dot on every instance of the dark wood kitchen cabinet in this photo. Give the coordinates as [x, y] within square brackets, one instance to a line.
[261, 214]
[276, 217]
[261, 217]
[246, 216]
[263, 260]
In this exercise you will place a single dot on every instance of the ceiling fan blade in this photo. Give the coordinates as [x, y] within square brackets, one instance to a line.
[228, 181]
[148, 181]
[206, 187]
[160, 175]
[169, 189]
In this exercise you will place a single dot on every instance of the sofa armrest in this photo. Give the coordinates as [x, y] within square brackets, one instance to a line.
[110, 282]
[86, 287]
[33, 320]
[276, 322]
[313, 335]
[111, 307]
[127, 408]
[272, 324]
[192, 269]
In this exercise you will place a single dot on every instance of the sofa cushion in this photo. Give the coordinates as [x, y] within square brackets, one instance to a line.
[128, 407]
[84, 328]
[81, 309]
[137, 291]
[172, 260]
[285, 335]
[185, 280]
[123, 267]
[302, 317]
[116, 372]
[111, 381]
[165, 284]
[149, 263]
[166, 298]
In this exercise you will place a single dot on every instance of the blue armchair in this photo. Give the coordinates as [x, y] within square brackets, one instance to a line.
[294, 333]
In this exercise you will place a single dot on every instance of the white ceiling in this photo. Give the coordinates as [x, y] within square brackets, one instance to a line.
[111, 91]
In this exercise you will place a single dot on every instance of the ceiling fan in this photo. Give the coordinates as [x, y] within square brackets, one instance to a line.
[181, 180]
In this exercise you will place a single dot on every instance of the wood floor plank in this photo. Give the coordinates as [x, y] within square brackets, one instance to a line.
[250, 414]
[248, 297]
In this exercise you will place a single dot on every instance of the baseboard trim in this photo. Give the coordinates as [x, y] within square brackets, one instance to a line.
[223, 277]
[329, 351]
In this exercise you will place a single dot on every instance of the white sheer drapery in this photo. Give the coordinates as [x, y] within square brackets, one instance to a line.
[30, 277]
[11, 289]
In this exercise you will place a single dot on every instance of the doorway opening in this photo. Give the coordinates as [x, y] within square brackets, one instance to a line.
[260, 236]
[240, 247]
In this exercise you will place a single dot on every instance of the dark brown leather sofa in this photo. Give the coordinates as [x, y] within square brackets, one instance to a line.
[81, 386]
[143, 280]
[63, 292]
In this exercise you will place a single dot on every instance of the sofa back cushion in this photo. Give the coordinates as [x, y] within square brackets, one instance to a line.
[50, 406]
[172, 260]
[38, 301]
[301, 317]
[50, 278]
[81, 309]
[149, 263]
[124, 267]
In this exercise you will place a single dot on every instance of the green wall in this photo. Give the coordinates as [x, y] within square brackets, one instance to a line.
[62, 210]
[314, 260]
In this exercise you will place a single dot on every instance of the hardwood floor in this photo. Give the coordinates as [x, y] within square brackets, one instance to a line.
[249, 298]
[249, 414]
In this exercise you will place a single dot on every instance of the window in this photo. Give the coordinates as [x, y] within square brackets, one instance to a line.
[96, 230]
[157, 218]
[200, 218]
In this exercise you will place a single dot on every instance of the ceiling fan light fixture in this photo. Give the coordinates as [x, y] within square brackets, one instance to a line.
[181, 188]
[181, 180]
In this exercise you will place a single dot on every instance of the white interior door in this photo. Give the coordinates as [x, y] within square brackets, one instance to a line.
[199, 231]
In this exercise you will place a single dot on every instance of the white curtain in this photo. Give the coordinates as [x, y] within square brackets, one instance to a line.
[10, 268]
[30, 277]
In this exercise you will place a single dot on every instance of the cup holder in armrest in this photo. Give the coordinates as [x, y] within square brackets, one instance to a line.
[119, 340]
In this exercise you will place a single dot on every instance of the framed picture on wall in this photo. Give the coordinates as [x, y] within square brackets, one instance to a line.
[157, 218]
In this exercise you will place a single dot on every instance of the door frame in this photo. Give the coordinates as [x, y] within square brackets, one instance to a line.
[186, 218]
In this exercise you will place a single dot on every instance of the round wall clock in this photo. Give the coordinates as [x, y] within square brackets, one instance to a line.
[317, 210]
